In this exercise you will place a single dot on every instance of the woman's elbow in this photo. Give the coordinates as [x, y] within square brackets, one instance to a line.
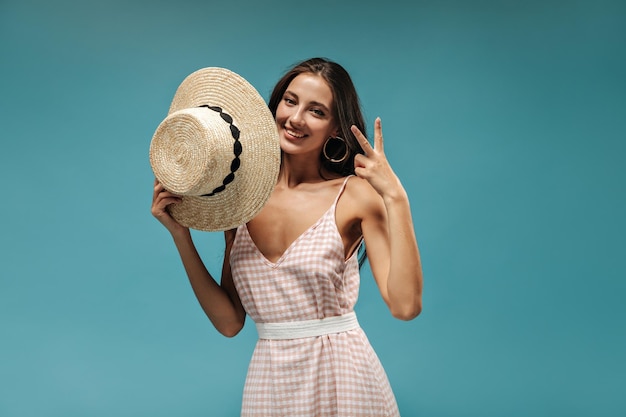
[230, 329]
[230, 332]
[407, 312]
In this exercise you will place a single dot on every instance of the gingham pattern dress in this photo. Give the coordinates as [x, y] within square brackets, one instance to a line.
[324, 376]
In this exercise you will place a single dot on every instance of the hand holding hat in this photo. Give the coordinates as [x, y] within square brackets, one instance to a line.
[218, 149]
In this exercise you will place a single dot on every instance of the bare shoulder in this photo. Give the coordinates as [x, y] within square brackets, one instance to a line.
[363, 196]
[359, 208]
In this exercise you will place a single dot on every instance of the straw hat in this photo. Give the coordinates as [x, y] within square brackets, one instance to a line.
[218, 148]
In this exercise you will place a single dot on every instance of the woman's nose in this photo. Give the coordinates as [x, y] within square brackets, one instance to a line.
[296, 118]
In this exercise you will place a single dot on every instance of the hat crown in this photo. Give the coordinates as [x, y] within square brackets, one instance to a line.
[188, 148]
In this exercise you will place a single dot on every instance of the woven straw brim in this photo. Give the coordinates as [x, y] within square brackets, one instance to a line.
[256, 177]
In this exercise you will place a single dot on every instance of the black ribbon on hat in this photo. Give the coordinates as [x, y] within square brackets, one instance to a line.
[237, 149]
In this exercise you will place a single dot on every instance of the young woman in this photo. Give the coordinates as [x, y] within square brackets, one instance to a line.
[294, 267]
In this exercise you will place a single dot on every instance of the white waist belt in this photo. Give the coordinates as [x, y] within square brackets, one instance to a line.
[307, 328]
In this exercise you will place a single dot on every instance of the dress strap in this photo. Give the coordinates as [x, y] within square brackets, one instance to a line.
[343, 187]
[307, 328]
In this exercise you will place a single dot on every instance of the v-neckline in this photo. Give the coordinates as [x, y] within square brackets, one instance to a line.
[281, 258]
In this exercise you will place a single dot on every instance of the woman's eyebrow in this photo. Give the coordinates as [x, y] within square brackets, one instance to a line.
[314, 103]
[291, 93]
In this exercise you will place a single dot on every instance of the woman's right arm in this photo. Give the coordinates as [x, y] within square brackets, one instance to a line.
[220, 302]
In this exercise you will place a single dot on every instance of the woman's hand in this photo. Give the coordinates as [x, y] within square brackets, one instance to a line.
[161, 198]
[374, 167]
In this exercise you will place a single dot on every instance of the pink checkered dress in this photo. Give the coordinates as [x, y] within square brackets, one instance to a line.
[323, 376]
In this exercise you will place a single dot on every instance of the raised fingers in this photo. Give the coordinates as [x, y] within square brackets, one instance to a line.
[360, 137]
[378, 135]
[378, 138]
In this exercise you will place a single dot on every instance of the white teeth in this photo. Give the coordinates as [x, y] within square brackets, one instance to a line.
[294, 134]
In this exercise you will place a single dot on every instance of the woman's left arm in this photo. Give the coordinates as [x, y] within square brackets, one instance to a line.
[388, 230]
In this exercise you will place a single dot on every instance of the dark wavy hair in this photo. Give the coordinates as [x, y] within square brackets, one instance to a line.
[346, 109]
[346, 112]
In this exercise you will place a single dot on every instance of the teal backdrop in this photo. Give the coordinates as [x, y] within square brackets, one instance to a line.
[504, 119]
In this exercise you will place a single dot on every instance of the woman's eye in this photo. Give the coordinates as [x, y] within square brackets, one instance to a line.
[289, 100]
[318, 112]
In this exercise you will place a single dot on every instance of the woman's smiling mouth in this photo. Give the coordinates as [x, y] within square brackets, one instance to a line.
[295, 134]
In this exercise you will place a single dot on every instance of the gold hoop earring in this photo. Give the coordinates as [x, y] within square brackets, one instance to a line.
[345, 145]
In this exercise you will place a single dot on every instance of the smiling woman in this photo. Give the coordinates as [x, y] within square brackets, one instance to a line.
[303, 116]
[293, 267]
[504, 120]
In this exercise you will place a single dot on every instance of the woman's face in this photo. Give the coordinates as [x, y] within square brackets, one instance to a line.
[304, 117]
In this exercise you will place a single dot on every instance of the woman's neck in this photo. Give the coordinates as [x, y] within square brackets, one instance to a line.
[299, 169]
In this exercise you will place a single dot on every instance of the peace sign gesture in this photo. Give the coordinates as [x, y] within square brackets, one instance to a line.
[373, 166]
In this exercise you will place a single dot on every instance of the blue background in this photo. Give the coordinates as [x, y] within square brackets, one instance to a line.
[505, 121]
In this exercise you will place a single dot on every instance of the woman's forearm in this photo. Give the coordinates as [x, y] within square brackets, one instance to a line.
[221, 306]
[404, 284]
